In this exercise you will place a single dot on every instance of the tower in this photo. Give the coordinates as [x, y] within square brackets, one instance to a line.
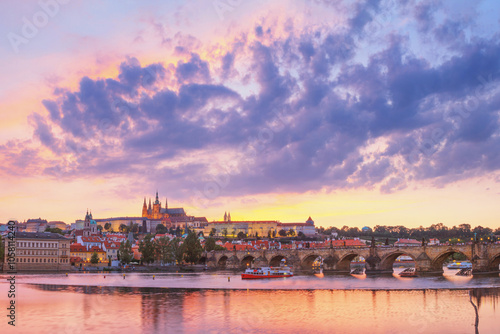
[156, 207]
[144, 209]
[229, 216]
[166, 203]
[225, 216]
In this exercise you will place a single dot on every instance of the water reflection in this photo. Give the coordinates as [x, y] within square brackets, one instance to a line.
[155, 310]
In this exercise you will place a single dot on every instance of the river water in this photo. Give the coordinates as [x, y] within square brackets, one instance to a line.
[222, 302]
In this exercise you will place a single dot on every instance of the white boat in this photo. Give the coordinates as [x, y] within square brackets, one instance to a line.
[267, 272]
[460, 265]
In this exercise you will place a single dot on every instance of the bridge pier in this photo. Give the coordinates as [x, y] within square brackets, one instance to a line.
[261, 261]
[233, 262]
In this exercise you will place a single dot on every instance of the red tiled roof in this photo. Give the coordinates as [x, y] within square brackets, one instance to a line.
[348, 242]
[293, 224]
[96, 249]
[238, 247]
[77, 248]
[407, 241]
[91, 239]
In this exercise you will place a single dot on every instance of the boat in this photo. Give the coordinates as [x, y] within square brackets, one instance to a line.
[267, 272]
[408, 272]
[460, 265]
[358, 271]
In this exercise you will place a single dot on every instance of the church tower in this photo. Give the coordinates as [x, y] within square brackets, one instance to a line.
[156, 207]
[144, 209]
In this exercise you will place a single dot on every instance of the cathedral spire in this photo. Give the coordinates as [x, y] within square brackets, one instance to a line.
[149, 207]
[157, 200]
[225, 216]
[166, 203]
[229, 216]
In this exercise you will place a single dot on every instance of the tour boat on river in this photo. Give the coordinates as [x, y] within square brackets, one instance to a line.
[408, 272]
[267, 272]
[460, 265]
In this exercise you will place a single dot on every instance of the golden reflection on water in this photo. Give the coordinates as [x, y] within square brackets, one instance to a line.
[152, 310]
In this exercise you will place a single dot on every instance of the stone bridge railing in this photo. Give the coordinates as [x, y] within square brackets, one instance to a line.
[485, 258]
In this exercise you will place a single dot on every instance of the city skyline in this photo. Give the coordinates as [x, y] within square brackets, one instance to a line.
[353, 113]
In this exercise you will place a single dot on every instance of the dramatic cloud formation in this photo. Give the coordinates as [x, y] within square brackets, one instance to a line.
[292, 109]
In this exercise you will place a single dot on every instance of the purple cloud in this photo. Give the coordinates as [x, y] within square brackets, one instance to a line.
[301, 115]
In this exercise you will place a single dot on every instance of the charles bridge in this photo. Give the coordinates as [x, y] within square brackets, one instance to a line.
[485, 258]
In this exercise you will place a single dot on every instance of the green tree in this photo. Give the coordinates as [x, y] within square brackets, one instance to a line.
[177, 249]
[147, 249]
[124, 228]
[99, 227]
[213, 232]
[54, 230]
[241, 235]
[134, 228]
[282, 233]
[163, 250]
[94, 258]
[161, 229]
[125, 254]
[209, 244]
[224, 232]
[107, 226]
[192, 248]
[290, 233]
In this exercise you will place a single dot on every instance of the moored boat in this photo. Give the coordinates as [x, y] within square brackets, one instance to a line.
[267, 272]
[408, 272]
[460, 265]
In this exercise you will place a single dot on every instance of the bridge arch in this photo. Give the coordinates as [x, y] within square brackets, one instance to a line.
[494, 263]
[388, 261]
[247, 261]
[438, 261]
[222, 262]
[202, 260]
[276, 260]
[308, 261]
[344, 263]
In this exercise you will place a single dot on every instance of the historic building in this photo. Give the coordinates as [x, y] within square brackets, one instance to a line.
[157, 212]
[41, 251]
[89, 226]
[262, 228]
[152, 216]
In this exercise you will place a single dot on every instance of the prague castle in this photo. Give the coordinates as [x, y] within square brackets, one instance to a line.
[157, 212]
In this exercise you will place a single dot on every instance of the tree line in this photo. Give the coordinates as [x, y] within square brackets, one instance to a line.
[439, 231]
[164, 250]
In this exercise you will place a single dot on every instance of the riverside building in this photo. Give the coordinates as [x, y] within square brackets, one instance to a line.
[36, 251]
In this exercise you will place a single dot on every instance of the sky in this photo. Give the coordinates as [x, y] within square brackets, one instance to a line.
[357, 113]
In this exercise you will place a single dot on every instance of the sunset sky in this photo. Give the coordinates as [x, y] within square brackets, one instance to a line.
[357, 113]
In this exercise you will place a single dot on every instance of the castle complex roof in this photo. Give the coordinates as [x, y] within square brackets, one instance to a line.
[39, 235]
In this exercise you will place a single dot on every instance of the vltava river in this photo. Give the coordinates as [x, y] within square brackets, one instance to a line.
[209, 303]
